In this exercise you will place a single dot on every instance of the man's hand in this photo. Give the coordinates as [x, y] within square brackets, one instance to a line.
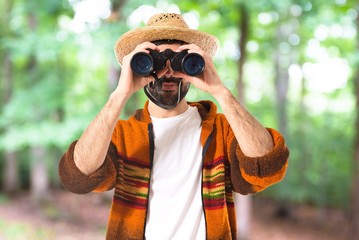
[129, 83]
[209, 81]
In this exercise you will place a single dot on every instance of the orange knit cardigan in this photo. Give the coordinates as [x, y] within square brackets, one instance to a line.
[127, 168]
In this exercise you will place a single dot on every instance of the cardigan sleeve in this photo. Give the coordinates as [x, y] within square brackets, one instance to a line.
[75, 181]
[254, 174]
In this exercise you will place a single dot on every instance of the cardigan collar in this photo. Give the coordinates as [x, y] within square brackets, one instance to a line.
[207, 110]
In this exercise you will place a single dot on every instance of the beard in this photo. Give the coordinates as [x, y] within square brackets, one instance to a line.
[165, 96]
[168, 98]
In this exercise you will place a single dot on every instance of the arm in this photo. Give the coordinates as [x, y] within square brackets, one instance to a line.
[91, 149]
[258, 155]
[252, 137]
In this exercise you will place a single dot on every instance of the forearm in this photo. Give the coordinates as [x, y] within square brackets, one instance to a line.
[252, 137]
[91, 149]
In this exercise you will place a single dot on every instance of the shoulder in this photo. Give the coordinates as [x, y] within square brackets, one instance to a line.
[207, 109]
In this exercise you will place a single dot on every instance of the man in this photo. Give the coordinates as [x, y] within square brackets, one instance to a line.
[173, 164]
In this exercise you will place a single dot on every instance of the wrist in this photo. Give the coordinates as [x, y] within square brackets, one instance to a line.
[221, 93]
[119, 96]
[116, 102]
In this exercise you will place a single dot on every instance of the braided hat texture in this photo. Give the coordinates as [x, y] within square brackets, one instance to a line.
[164, 26]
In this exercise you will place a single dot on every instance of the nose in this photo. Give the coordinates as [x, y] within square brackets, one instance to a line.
[169, 70]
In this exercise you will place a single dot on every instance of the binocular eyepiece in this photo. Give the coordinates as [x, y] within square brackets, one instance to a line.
[143, 64]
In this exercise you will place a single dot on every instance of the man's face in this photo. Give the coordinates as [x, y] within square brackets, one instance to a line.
[170, 88]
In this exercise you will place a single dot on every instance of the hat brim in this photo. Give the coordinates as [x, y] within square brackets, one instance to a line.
[128, 41]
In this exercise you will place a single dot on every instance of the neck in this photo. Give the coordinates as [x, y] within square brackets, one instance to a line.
[156, 111]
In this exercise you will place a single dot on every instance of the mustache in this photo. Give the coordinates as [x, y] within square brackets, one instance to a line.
[159, 81]
[170, 79]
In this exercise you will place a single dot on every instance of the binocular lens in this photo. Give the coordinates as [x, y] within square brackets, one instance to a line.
[142, 64]
[193, 64]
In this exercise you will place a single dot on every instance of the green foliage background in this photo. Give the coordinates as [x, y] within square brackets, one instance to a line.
[60, 79]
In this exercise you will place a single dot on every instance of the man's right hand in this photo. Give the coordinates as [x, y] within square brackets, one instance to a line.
[130, 83]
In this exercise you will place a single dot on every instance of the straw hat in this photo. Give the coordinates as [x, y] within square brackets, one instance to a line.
[164, 26]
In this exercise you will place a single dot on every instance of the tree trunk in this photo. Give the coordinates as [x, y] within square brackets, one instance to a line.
[39, 180]
[281, 85]
[11, 178]
[116, 7]
[281, 82]
[243, 29]
[39, 177]
[113, 70]
[113, 77]
[243, 204]
[354, 208]
[11, 181]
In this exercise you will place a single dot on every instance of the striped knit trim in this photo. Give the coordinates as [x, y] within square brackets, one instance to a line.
[214, 187]
[134, 176]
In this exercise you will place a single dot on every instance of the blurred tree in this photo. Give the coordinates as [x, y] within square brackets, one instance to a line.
[243, 29]
[243, 203]
[31, 115]
[115, 17]
[39, 180]
[354, 209]
[10, 179]
[61, 74]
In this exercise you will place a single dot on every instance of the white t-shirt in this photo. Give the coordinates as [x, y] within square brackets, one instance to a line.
[175, 201]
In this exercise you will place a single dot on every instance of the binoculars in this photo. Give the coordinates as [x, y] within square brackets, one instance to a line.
[144, 64]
